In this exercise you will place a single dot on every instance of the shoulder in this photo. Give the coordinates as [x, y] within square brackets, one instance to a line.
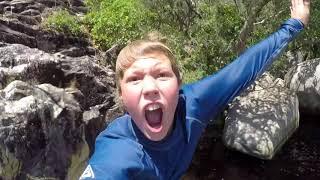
[116, 151]
[116, 158]
[119, 128]
[116, 139]
[192, 100]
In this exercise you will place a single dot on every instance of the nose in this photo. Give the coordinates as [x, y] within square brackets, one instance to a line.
[150, 87]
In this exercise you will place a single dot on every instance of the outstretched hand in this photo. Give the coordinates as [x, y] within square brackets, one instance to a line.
[300, 9]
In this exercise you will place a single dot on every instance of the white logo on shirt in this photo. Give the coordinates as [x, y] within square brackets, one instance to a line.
[88, 173]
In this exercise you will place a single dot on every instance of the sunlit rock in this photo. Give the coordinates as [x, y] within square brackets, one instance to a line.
[260, 120]
[304, 79]
[52, 107]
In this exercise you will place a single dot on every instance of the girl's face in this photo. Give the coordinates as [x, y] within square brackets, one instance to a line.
[149, 91]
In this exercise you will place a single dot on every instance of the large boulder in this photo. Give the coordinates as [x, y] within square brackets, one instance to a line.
[51, 109]
[304, 79]
[262, 118]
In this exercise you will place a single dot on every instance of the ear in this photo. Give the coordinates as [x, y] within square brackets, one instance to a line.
[179, 82]
[119, 100]
[119, 95]
[118, 89]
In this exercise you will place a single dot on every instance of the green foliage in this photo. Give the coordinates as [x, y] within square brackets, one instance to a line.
[210, 40]
[309, 40]
[203, 34]
[178, 14]
[116, 21]
[199, 33]
[229, 21]
[62, 21]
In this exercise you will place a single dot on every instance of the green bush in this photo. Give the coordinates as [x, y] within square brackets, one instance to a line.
[62, 21]
[116, 21]
[210, 39]
[200, 33]
[229, 21]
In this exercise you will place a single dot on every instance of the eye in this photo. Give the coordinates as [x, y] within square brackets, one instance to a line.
[134, 79]
[163, 75]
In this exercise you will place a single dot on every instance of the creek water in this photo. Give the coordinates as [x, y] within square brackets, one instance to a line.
[299, 158]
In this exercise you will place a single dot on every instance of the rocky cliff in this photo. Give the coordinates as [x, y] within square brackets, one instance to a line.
[54, 97]
[20, 23]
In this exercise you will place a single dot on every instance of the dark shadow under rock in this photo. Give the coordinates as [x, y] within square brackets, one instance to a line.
[299, 158]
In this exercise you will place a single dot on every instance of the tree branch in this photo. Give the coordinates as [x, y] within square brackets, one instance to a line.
[253, 11]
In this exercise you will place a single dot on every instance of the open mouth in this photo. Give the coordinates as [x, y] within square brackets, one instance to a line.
[153, 114]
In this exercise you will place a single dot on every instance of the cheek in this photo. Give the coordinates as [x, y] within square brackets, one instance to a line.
[131, 98]
[172, 93]
[128, 97]
[127, 100]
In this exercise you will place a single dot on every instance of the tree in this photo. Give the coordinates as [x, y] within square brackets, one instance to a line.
[205, 35]
[176, 13]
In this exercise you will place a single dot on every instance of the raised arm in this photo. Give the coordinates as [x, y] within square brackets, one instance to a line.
[208, 96]
[300, 9]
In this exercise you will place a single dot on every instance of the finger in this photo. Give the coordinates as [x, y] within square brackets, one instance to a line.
[293, 3]
[306, 2]
[299, 2]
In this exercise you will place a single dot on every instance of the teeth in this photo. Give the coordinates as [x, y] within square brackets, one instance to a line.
[152, 107]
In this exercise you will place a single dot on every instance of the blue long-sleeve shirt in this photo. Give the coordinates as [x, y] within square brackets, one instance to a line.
[123, 152]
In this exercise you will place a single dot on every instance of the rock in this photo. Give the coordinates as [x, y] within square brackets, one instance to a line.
[260, 120]
[41, 130]
[304, 79]
[20, 23]
[52, 106]
[95, 123]
[77, 51]
[112, 54]
[12, 36]
[35, 66]
[51, 109]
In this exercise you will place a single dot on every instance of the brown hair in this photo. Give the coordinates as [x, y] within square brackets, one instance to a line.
[139, 48]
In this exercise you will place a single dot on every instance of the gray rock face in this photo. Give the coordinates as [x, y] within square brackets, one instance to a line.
[304, 79]
[261, 119]
[20, 24]
[41, 132]
[51, 109]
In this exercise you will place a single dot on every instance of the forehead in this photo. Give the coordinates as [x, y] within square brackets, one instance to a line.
[155, 55]
[147, 62]
[156, 58]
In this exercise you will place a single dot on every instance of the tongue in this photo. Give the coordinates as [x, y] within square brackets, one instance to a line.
[154, 117]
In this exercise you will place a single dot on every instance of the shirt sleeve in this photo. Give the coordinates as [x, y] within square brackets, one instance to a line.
[205, 98]
[114, 158]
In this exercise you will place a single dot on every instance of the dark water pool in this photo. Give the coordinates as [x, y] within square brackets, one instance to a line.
[299, 158]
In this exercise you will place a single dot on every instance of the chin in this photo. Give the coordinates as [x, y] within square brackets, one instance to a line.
[156, 134]
[158, 138]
